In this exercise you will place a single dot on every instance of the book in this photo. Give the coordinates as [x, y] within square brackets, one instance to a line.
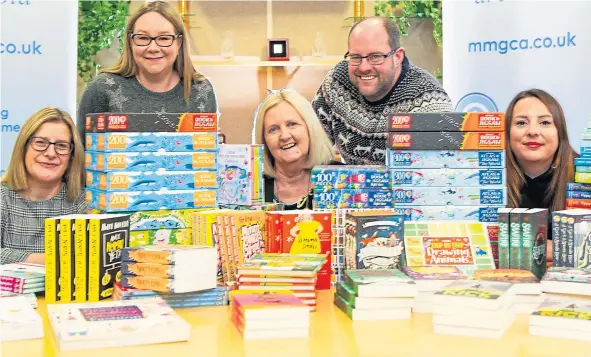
[116, 323]
[563, 280]
[283, 264]
[19, 320]
[374, 240]
[240, 174]
[569, 319]
[486, 295]
[346, 293]
[402, 313]
[380, 283]
[464, 244]
[269, 306]
[173, 268]
[524, 281]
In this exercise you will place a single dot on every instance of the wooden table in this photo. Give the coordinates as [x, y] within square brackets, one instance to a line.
[332, 334]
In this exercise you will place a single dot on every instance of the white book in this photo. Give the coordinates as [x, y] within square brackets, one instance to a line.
[278, 333]
[19, 320]
[475, 294]
[116, 323]
[495, 322]
[572, 281]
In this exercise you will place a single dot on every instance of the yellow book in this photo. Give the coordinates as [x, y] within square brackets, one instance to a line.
[51, 260]
[80, 259]
[221, 237]
[66, 279]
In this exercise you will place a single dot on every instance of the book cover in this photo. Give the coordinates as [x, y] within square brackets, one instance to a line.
[374, 240]
[240, 175]
[504, 238]
[360, 277]
[52, 260]
[464, 244]
[107, 236]
[309, 232]
[572, 309]
[513, 276]
[570, 275]
[116, 323]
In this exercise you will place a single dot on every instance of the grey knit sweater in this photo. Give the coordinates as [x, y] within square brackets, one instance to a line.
[358, 127]
[112, 93]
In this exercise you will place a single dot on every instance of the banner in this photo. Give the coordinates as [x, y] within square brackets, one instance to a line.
[38, 56]
[494, 49]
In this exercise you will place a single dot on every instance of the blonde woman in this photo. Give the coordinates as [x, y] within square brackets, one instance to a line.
[294, 141]
[154, 74]
[45, 178]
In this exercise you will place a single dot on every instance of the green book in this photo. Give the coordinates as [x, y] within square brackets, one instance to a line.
[380, 283]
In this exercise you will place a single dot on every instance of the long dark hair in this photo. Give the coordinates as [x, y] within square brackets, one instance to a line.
[555, 196]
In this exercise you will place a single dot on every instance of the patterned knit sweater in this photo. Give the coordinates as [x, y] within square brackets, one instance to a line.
[358, 127]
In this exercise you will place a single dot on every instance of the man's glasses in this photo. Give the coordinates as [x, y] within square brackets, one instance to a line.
[372, 58]
[142, 40]
[42, 144]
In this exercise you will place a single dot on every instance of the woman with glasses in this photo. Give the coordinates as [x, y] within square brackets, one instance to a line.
[45, 178]
[294, 143]
[154, 74]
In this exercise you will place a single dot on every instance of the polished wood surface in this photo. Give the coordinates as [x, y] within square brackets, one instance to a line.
[332, 334]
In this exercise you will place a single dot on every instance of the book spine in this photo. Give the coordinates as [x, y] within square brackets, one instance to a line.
[515, 240]
[570, 243]
[236, 246]
[555, 239]
[578, 203]
[504, 249]
[94, 259]
[563, 240]
[527, 239]
[5, 279]
[578, 187]
[51, 260]
[80, 259]
[219, 228]
[66, 277]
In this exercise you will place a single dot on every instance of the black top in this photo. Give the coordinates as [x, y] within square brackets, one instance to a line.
[304, 203]
[534, 191]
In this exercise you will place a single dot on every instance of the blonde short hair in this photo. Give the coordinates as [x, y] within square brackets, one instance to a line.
[127, 67]
[321, 149]
[75, 175]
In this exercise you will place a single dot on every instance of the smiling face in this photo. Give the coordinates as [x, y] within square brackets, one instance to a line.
[286, 134]
[47, 167]
[533, 135]
[373, 81]
[153, 59]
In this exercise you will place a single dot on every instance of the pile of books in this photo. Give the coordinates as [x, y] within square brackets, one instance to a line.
[116, 323]
[386, 294]
[473, 308]
[22, 278]
[270, 315]
[430, 279]
[218, 296]
[169, 269]
[562, 319]
[19, 320]
[292, 273]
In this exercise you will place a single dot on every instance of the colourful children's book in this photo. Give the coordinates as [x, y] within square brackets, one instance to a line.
[374, 240]
[240, 174]
[462, 244]
[380, 283]
[524, 281]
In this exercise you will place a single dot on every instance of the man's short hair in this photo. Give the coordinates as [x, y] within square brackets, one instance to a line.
[390, 27]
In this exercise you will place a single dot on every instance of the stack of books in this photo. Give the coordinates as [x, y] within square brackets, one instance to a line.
[430, 279]
[169, 269]
[19, 320]
[116, 323]
[526, 287]
[270, 316]
[562, 319]
[22, 278]
[292, 273]
[473, 308]
[386, 294]
[218, 296]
